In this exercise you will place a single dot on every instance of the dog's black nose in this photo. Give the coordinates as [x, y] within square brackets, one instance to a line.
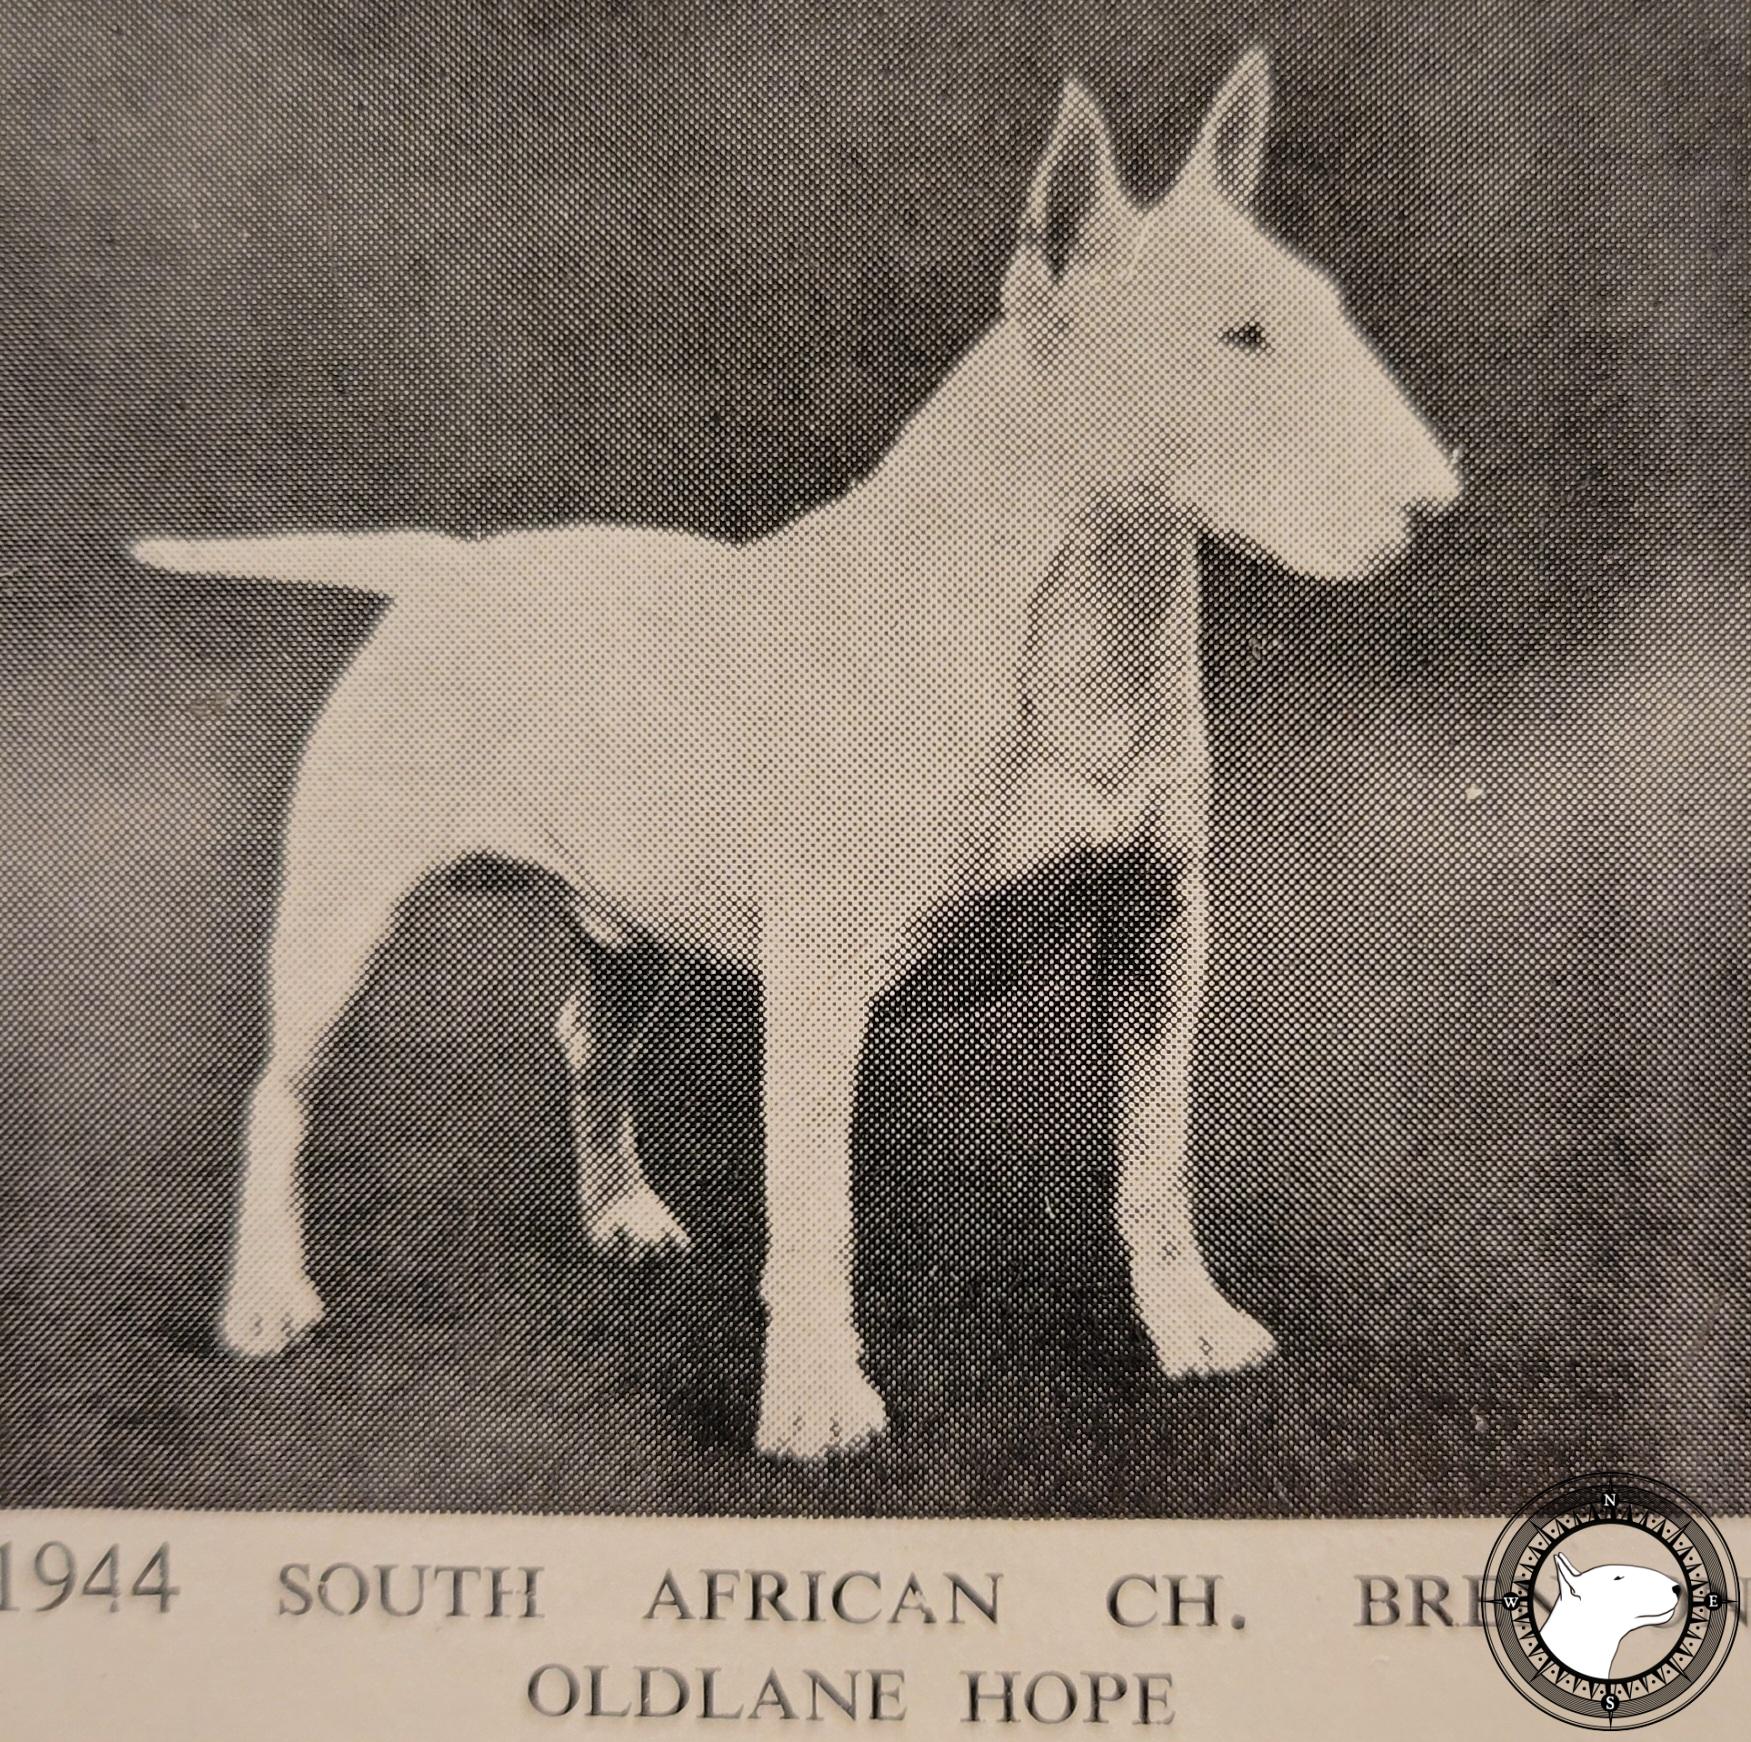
[1677, 1590]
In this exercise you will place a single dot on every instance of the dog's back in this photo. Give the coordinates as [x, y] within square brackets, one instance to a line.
[580, 698]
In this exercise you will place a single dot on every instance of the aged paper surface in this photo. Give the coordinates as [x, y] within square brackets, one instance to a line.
[873, 865]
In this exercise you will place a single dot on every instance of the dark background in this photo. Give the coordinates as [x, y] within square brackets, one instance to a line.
[1471, 1131]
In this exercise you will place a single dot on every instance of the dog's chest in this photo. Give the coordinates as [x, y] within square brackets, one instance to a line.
[1109, 728]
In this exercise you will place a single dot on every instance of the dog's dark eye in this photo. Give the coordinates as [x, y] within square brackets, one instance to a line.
[1618, 1580]
[1250, 337]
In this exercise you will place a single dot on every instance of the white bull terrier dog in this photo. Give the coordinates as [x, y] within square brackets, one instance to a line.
[1595, 1610]
[800, 752]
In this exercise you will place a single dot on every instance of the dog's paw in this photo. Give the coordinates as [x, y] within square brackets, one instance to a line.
[1194, 1329]
[639, 1225]
[814, 1410]
[265, 1315]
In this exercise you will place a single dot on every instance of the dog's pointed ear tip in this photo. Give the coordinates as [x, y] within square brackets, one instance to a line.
[1247, 82]
[1253, 62]
[1076, 104]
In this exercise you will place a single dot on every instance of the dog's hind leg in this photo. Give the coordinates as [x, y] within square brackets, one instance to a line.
[601, 1030]
[338, 901]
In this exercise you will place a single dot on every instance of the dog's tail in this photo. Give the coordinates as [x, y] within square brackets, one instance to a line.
[395, 564]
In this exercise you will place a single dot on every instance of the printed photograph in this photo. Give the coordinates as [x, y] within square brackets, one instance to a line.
[875, 757]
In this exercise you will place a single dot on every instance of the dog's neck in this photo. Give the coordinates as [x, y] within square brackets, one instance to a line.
[978, 459]
[977, 505]
[1565, 1635]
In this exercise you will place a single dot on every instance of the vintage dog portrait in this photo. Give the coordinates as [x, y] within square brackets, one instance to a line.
[864, 760]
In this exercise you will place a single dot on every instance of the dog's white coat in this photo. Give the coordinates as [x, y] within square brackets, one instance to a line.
[796, 752]
[1595, 1610]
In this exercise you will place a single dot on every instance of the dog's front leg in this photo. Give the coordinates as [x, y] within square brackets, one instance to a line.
[814, 1397]
[1193, 1326]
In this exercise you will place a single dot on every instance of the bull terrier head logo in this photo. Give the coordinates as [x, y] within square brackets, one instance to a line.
[1598, 1608]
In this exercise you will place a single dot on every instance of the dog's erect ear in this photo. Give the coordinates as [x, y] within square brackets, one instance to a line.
[1230, 153]
[1078, 217]
[1568, 1580]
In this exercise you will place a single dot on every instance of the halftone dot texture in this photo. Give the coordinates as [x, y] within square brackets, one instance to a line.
[1468, 1123]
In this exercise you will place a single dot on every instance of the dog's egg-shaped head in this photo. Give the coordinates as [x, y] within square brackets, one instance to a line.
[1188, 354]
